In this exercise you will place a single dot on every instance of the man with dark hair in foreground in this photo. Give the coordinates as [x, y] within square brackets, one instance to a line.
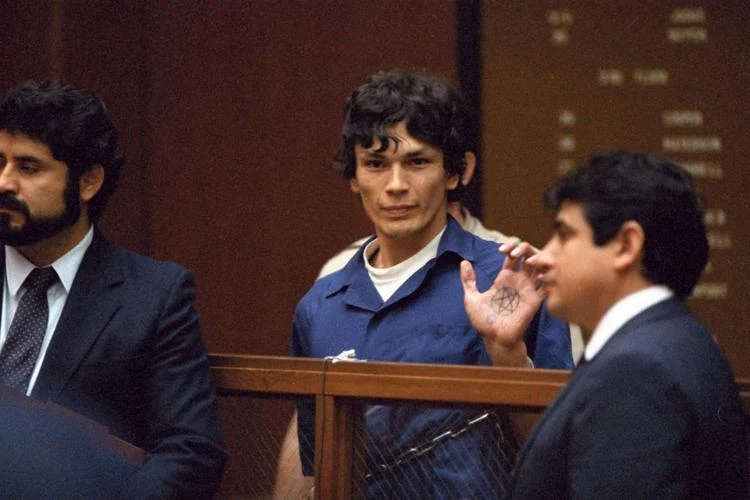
[652, 410]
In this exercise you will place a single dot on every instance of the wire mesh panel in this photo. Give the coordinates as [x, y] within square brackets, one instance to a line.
[411, 451]
[255, 430]
[442, 433]
[407, 451]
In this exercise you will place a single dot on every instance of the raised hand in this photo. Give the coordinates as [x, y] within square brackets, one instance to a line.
[502, 313]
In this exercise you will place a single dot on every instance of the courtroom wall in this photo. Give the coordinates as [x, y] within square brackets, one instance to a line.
[230, 113]
[99, 45]
[563, 79]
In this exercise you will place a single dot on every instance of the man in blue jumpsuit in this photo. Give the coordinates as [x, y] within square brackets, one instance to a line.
[400, 298]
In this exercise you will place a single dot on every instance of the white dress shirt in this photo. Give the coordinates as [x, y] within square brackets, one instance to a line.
[17, 269]
[623, 311]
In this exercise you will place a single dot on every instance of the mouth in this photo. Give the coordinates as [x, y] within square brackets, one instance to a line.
[8, 212]
[8, 203]
[543, 287]
[397, 211]
[544, 282]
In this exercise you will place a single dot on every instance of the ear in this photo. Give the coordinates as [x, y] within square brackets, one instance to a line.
[629, 247]
[91, 182]
[354, 185]
[470, 159]
[451, 183]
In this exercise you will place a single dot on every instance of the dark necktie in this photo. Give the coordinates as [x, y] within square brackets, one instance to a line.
[26, 332]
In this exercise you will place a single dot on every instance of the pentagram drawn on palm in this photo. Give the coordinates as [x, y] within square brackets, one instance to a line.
[505, 301]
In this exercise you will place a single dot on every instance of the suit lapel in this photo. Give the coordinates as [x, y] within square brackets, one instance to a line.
[654, 313]
[549, 412]
[2, 273]
[93, 300]
[659, 311]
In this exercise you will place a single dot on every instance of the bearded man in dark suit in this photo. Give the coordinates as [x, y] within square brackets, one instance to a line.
[120, 341]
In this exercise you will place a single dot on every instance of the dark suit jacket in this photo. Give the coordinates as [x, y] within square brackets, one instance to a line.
[128, 353]
[655, 414]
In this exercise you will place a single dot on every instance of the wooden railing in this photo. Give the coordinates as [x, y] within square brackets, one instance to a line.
[342, 387]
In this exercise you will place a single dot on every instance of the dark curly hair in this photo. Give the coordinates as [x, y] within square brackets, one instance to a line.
[73, 123]
[432, 108]
[656, 193]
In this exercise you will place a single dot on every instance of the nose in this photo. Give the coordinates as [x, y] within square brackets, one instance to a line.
[397, 179]
[8, 181]
[545, 257]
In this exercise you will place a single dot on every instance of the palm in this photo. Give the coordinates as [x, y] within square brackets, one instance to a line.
[502, 313]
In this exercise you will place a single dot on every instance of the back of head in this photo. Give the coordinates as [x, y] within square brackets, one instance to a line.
[73, 123]
[431, 107]
[654, 192]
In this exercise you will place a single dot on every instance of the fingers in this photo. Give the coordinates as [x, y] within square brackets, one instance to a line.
[521, 260]
[516, 255]
[521, 249]
[538, 268]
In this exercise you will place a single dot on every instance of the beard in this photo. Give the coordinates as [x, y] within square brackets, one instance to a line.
[37, 229]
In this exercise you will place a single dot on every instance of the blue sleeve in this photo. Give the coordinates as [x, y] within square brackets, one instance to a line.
[305, 406]
[548, 342]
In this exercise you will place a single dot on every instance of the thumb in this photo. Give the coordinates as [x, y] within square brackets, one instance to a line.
[468, 278]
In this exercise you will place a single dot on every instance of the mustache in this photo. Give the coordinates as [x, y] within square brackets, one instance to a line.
[7, 200]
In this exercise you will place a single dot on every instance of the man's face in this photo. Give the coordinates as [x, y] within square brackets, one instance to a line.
[577, 275]
[403, 188]
[36, 199]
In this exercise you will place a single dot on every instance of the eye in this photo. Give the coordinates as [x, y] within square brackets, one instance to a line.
[419, 161]
[561, 232]
[564, 234]
[373, 163]
[28, 167]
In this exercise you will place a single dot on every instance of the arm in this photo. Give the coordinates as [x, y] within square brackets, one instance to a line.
[185, 452]
[502, 313]
[290, 482]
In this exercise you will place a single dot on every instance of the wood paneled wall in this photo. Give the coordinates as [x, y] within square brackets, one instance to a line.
[562, 82]
[230, 113]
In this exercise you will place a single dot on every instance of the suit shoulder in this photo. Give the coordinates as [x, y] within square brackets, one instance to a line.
[139, 266]
[678, 346]
[672, 333]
